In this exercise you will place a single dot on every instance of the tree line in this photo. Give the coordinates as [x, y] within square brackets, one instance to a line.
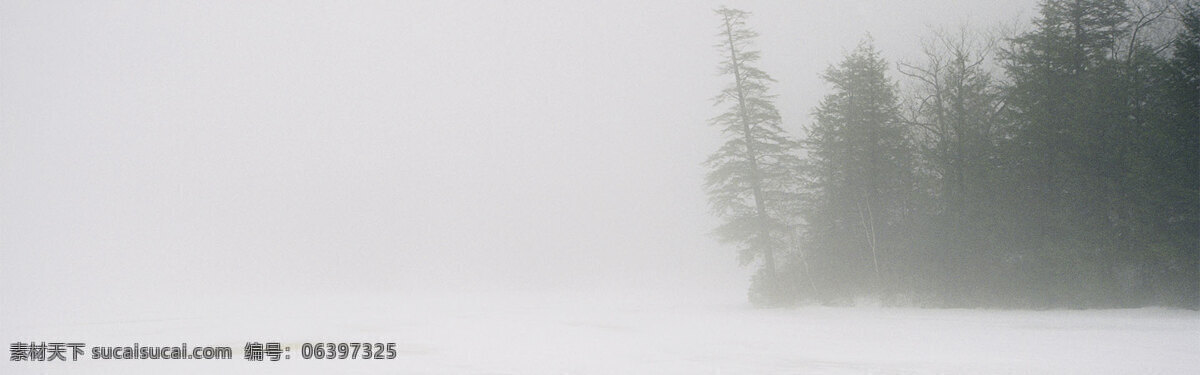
[1057, 167]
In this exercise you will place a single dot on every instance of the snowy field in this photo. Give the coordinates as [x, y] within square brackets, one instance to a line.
[531, 333]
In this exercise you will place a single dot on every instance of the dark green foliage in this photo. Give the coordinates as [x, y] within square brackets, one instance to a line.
[1066, 148]
[1099, 158]
[860, 178]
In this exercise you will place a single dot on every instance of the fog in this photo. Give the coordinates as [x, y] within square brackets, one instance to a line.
[214, 156]
[384, 145]
[357, 146]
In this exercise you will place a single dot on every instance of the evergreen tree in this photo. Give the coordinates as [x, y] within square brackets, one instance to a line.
[1163, 196]
[861, 180]
[1105, 147]
[753, 179]
[1066, 147]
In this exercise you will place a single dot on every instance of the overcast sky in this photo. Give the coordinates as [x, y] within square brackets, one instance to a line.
[391, 145]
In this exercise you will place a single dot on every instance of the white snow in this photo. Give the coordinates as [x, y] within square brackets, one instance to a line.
[545, 333]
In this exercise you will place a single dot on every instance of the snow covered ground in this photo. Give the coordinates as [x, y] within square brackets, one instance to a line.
[543, 333]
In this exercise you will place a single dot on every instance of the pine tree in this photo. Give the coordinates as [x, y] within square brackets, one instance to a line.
[1067, 147]
[861, 181]
[1163, 194]
[753, 177]
[1109, 144]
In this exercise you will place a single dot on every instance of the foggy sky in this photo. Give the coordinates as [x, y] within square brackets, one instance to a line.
[151, 146]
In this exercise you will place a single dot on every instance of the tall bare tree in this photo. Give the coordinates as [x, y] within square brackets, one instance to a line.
[957, 119]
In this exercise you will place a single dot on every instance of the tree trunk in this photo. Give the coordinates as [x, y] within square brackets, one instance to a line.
[755, 178]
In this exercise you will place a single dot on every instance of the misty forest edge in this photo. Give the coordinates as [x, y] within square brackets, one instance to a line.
[1052, 168]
